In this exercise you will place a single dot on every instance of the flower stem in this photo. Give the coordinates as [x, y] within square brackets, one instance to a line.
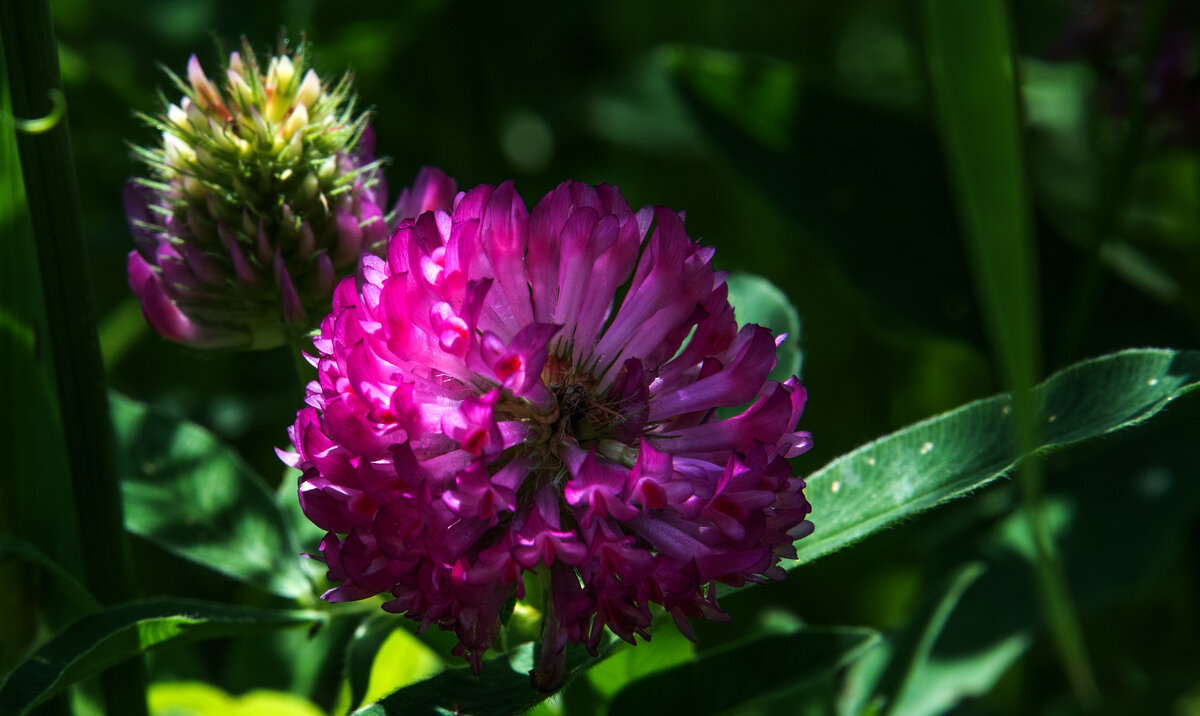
[31, 61]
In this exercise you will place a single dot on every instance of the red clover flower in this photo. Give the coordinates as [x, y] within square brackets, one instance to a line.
[511, 392]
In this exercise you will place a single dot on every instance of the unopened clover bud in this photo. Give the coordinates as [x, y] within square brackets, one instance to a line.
[257, 197]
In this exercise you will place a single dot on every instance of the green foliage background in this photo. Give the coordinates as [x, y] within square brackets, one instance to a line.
[805, 141]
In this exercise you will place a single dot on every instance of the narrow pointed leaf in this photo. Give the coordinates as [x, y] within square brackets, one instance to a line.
[109, 637]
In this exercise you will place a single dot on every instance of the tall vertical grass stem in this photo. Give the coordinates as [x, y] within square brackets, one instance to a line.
[973, 79]
[31, 56]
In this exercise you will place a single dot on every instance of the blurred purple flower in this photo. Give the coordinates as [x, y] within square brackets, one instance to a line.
[510, 392]
[261, 194]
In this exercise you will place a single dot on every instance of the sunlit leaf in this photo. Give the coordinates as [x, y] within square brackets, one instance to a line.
[725, 678]
[198, 699]
[113, 635]
[401, 660]
[627, 664]
[360, 653]
[502, 689]
[191, 495]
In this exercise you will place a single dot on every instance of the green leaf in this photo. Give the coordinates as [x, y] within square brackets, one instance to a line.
[975, 98]
[368, 638]
[199, 699]
[383, 656]
[109, 637]
[629, 663]
[947, 456]
[501, 690]
[401, 660]
[887, 675]
[726, 678]
[757, 300]
[186, 492]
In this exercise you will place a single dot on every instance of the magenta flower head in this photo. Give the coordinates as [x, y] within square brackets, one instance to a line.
[510, 392]
[262, 192]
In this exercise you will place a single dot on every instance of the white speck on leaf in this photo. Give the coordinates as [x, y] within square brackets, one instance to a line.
[871, 461]
[835, 486]
[1152, 382]
[926, 448]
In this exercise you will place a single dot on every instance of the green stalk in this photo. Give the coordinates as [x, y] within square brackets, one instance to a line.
[973, 82]
[31, 58]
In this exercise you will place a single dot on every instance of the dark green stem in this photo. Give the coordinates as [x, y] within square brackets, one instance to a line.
[47, 167]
